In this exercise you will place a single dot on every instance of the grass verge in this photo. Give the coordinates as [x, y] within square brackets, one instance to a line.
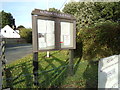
[53, 72]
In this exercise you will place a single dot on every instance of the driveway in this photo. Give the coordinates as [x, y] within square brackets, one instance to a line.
[14, 52]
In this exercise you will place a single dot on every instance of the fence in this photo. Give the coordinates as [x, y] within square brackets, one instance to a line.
[50, 75]
[2, 59]
[52, 72]
[24, 79]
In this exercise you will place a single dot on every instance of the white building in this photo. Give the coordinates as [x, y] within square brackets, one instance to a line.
[8, 32]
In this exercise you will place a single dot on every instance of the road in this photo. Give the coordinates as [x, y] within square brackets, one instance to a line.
[15, 52]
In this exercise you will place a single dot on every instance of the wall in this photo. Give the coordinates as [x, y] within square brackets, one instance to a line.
[14, 40]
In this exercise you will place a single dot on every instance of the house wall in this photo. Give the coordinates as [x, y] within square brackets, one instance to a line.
[8, 32]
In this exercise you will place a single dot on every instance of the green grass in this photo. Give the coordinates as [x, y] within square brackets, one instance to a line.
[53, 72]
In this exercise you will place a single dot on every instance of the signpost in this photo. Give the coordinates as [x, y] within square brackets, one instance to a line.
[52, 31]
[108, 72]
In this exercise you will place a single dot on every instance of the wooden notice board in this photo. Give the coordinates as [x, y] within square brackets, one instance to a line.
[53, 31]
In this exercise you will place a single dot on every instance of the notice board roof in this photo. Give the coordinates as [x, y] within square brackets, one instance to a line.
[52, 14]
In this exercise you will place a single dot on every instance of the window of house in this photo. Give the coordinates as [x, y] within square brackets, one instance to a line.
[5, 31]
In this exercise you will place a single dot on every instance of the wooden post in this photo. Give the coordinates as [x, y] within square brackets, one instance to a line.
[0, 63]
[0, 76]
[48, 54]
[119, 71]
[71, 57]
[35, 69]
[2, 59]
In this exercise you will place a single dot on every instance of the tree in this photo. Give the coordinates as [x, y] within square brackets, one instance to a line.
[90, 13]
[54, 10]
[82, 11]
[108, 10]
[100, 41]
[7, 19]
[19, 27]
[98, 28]
[26, 33]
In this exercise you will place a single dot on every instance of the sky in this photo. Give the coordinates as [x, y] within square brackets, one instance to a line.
[21, 9]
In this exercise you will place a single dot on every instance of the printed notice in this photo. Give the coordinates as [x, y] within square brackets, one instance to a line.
[66, 40]
[50, 26]
[42, 43]
[50, 39]
[41, 26]
[42, 40]
[62, 36]
[65, 28]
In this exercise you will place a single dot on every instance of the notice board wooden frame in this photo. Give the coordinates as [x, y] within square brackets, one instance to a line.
[57, 17]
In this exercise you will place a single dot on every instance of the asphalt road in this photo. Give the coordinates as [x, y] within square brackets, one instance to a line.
[15, 52]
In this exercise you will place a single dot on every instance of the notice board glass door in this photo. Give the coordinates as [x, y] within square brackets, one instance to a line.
[46, 34]
[66, 34]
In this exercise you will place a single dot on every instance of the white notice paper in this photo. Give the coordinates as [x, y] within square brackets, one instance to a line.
[41, 26]
[42, 40]
[62, 36]
[65, 28]
[50, 26]
[42, 43]
[66, 40]
[50, 39]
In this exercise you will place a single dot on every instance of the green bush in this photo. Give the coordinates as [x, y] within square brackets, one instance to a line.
[100, 41]
[26, 33]
[89, 13]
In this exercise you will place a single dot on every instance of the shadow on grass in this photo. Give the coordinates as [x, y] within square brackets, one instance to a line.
[78, 54]
[18, 76]
[91, 75]
[9, 82]
[53, 78]
[51, 75]
[28, 79]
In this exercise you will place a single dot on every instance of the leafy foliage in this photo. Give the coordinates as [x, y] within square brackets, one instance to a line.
[54, 10]
[90, 13]
[7, 19]
[98, 26]
[19, 27]
[26, 33]
[100, 41]
[82, 11]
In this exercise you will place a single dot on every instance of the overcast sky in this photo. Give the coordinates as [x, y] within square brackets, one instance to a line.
[21, 10]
